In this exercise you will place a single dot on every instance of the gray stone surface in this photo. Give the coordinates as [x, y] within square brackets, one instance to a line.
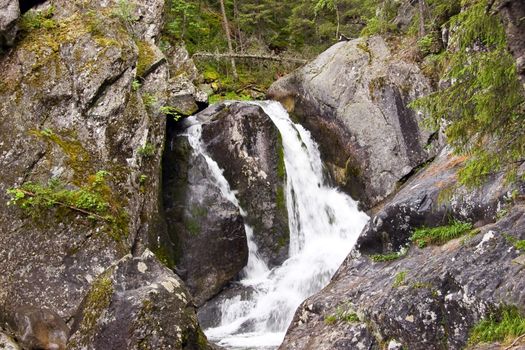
[36, 328]
[9, 13]
[70, 108]
[430, 298]
[137, 304]
[353, 98]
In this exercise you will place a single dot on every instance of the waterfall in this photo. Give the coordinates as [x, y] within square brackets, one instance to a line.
[324, 225]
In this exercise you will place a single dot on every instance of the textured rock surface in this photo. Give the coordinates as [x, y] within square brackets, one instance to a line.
[80, 95]
[353, 98]
[37, 328]
[431, 198]
[68, 111]
[6, 343]
[207, 229]
[430, 298]
[9, 13]
[137, 304]
[243, 140]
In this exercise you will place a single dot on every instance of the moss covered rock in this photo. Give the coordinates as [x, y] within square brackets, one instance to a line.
[137, 304]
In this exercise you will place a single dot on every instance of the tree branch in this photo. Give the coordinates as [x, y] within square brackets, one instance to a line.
[248, 56]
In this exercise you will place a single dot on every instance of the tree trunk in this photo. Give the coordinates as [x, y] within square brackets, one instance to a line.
[422, 32]
[229, 39]
[338, 21]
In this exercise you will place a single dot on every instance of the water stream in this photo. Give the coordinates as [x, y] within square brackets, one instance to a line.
[324, 225]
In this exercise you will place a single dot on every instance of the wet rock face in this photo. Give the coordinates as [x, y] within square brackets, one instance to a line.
[137, 304]
[9, 13]
[243, 140]
[353, 98]
[432, 297]
[207, 229]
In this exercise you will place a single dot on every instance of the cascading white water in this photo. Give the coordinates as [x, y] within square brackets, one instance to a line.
[324, 225]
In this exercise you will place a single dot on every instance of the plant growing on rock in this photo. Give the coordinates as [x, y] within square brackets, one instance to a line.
[424, 236]
[146, 151]
[389, 256]
[505, 324]
[93, 200]
[483, 107]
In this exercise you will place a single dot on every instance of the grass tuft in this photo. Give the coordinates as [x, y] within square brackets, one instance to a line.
[504, 325]
[438, 235]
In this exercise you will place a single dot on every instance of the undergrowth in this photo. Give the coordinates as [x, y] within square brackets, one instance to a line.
[504, 325]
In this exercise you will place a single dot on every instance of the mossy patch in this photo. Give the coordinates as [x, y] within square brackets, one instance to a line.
[95, 304]
[94, 200]
[78, 157]
[146, 59]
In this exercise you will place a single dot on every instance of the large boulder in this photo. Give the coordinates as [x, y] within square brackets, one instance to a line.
[82, 133]
[207, 229]
[9, 13]
[246, 144]
[432, 198]
[431, 297]
[353, 98]
[137, 304]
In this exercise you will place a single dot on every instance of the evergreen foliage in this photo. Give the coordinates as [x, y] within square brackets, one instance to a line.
[483, 106]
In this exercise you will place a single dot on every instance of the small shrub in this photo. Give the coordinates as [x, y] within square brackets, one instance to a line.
[171, 111]
[438, 235]
[125, 12]
[504, 325]
[146, 151]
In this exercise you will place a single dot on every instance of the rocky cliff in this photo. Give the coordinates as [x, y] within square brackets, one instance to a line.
[395, 291]
[353, 98]
[82, 130]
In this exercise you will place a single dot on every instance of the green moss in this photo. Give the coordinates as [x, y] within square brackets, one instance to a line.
[281, 166]
[146, 59]
[164, 256]
[438, 235]
[389, 256]
[93, 200]
[343, 313]
[193, 226]
[504, 325]
[146, 151]
[32, 20]
[96, 302]
[78, 156]
[399, 279]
